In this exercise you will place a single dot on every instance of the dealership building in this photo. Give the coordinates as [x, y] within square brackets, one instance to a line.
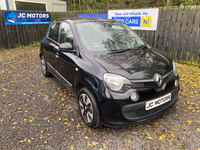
[34, 5]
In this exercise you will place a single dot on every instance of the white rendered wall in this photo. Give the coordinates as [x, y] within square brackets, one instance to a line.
[51, 5]
[3, 5]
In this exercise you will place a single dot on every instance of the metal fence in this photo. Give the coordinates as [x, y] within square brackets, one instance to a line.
[177, 33]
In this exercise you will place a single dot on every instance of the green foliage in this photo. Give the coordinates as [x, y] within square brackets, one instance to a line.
[35, 43]
[1, 48]
[75, 5]
[190, 2]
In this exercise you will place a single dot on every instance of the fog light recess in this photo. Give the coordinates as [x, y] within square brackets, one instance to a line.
[134, 96]
[176, 83]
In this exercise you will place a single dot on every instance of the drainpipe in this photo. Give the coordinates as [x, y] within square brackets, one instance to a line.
[7, 5]
[66, 6]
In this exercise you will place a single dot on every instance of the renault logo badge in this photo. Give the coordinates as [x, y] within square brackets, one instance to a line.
[158, 79]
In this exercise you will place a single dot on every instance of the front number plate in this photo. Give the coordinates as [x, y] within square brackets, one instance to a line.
[157, 102]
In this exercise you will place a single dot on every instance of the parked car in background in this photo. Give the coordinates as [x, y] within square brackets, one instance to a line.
[118, 79]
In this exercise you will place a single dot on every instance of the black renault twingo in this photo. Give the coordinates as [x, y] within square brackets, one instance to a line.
[118, 79]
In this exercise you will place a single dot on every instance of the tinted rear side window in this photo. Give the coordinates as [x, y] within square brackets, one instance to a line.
[54, 31]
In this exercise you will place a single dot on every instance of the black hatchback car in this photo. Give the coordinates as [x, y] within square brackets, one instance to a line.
[118, 79]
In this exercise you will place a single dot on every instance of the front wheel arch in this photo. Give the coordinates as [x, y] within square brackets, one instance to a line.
[90, 88]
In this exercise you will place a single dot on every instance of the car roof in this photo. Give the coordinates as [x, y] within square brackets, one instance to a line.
[82, 19]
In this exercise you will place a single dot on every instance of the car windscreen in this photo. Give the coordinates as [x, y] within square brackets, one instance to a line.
[107, 36]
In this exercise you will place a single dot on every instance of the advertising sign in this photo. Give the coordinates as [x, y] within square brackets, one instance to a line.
[141, 19]
[94, 15]
[25, 18]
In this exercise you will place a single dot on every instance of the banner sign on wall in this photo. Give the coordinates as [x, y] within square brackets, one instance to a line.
[141, 19]
[94, 15]
[26, 18]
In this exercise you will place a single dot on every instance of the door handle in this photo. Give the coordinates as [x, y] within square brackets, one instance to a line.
[57, 54]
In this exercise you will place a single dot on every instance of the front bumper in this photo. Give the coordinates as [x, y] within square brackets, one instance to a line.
[119, 110]
[137, 113]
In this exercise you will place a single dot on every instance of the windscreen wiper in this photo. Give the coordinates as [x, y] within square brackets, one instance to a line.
[128, 49]
[142, 47]
[120, 51]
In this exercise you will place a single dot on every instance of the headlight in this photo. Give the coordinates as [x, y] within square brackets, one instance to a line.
[116, 83]
[175, 69]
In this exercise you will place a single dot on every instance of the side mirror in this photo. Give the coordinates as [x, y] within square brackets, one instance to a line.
[66, 47]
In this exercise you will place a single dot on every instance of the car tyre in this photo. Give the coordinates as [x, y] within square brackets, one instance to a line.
[88, 108]
[45, 70]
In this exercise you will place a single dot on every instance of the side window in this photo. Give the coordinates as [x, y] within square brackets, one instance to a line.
[54, 31]
[66, 34]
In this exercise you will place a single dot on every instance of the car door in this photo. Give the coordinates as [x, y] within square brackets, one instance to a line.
[66, 64]
[52, 46]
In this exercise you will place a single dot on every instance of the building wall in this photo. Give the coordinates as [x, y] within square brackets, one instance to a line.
[3, 5]
[51, 5]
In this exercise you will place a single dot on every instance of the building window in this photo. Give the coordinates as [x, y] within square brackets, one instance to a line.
[29, 6]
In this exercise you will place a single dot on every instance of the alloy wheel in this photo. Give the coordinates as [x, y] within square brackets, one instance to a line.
[43, 65]
[86, 108]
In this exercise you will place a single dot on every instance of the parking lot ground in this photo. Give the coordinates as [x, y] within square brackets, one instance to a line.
[40, 113]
